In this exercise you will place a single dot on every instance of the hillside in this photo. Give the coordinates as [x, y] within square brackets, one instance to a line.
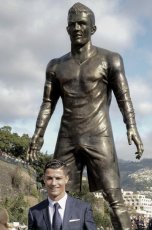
[136, 175]
[15, 178]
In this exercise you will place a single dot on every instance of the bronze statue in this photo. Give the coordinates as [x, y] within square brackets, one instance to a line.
[85, 78]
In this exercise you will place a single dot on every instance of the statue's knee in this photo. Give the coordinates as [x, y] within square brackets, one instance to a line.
[114, 198]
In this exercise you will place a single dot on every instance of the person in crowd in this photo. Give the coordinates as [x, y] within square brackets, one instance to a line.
[150, 225]
[4, 219]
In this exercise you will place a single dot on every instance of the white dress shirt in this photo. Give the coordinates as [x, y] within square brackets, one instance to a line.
[61, 202]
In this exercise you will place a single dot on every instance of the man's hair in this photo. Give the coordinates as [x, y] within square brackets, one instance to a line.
[56, 164]
[79, 7]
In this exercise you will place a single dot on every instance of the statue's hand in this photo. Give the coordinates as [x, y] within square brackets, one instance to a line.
[133, 135]
[34, 147]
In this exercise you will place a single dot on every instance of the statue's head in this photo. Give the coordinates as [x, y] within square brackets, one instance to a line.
[81, 24]
[78, 8]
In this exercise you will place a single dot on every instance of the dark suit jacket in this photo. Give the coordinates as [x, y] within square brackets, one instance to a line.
[77, 216]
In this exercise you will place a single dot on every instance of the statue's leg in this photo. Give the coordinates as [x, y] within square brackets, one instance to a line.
[103, 174]
[69, 153]
[119, 215]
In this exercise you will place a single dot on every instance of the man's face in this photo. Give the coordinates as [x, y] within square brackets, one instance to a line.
[80, 28]
[55, 181]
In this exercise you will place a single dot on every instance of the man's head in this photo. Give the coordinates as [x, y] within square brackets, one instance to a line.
[55, 179]
[81, 24]
[78, 8]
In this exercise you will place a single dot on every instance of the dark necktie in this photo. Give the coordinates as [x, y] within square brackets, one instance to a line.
[57, 221]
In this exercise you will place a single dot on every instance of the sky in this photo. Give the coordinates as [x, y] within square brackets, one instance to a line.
[32, 32]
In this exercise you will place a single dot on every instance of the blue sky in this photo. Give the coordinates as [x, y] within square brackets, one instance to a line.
[33, 32]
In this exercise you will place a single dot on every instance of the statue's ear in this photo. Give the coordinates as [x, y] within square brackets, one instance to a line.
[93, 29]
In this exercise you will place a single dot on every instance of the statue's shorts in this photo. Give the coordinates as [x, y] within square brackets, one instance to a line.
[97, 153]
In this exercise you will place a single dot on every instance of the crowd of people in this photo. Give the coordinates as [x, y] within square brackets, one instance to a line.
[140, 222]
[12, 159]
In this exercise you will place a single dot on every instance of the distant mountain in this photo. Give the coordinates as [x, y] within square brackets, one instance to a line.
[136, 175]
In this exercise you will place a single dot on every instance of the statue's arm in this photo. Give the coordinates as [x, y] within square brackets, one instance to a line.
[50, 98]
[120, 88]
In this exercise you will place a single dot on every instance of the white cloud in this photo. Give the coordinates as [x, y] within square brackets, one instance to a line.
[116, 32]
[141, 92]
[146, 108]
[17, 104]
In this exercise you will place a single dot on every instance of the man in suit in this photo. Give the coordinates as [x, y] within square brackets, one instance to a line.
[85, 79]
[72, 214]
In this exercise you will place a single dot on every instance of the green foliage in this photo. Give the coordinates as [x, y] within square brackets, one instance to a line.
[13, 143]
[34, 192]
[39, 166]
[6, 128]
[101, 219]
[16, 207]
[84, 194]
[20, 145]
[5, 138]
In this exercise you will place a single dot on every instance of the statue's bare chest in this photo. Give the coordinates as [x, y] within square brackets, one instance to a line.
[77, 77]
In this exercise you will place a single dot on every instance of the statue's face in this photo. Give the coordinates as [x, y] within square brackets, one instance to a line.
[80, 28]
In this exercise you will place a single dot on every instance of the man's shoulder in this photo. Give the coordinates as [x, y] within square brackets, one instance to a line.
[113, 59]
[40, 205]
[108, 53]
[78, 201]
[57, 61]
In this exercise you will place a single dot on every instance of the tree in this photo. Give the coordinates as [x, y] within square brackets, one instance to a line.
[39, 166]
[6, 129]
[5, 138]
[20, 145]
[13, 143]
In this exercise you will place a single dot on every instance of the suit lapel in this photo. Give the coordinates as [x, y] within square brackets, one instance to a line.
[67, 213]
[46, 216]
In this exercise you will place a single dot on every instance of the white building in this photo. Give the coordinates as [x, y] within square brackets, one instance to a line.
[98, 194]
[139, 202]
